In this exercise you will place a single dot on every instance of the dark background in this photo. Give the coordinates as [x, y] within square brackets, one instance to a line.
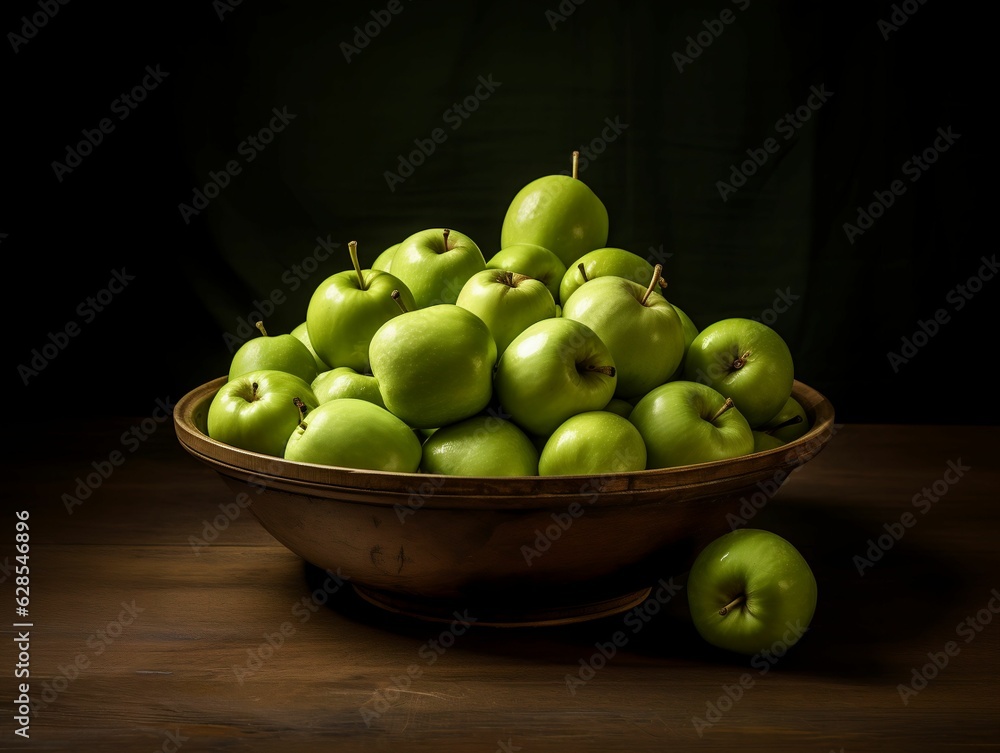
[323, 176]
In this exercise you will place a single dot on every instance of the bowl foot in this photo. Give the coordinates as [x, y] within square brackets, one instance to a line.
[503, 616]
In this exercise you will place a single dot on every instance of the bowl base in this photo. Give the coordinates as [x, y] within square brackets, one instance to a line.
[500, 616]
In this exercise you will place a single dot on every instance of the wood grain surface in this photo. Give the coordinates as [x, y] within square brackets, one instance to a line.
[147, 637]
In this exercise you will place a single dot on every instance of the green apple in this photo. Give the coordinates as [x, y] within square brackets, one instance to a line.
[789, 423]
[593, 442]
[434, 264]
[278, 352]
[554, 369]
[257, 411]
[434, 366]
[383, 261]
[352, 433]
[604, 262]
[763, 442]
[690, 330]
[622, 407]
[639, 326]
[344, 381]
[484, 445]
[301, 332]
[347, 308]
[746, 360]
[683, 423]
[533, 261]
[558, 212]
[751, 590]
[507, 301]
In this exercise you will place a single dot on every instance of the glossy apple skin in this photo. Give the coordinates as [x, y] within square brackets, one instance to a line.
[434, 366]
[342, 316]
[258, 420]
[557, 212]
[591, 443]
[622, 407]
[344, 381]
[673, 420]
[605, 262]
[763, 442]
[779, 587]
[433, 270]
[645, 340]
[543, 377]
[762, 384]
[301, 333]
[507, 301]
[483, 445]
[791, 409]
[278, 352]
[533, 261]
[383, 262]
[352, 433]
[690, 330]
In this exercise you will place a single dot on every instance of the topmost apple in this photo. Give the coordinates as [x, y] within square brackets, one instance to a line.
[434, 264]
[558, 212]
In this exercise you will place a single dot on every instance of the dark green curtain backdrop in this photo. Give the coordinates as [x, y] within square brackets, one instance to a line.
[832, 104]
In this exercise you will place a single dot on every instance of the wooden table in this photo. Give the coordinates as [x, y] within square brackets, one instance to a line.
[145, 639]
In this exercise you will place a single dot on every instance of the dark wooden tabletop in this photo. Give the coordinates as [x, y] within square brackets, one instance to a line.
[145, 636]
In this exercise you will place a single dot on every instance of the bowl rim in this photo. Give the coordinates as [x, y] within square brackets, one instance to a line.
[246, 464]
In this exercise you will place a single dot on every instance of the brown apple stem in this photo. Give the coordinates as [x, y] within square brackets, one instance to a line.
[583, 272]
[353, 248]
[740, 362]
[725, 406]
[733, 604]
[446, 232]
[657, 272]
[576, 164]
[606, 370]
[302, 411]
[784, 424]
[253, 391]
[399, 301]
[260, 326]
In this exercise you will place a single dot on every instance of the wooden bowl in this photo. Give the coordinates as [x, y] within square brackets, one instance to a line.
[513, 551]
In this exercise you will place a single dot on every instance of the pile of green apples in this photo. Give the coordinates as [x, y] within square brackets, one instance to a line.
[559, 355]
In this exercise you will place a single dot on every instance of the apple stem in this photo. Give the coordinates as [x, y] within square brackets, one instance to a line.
[253, 391]
[302, 411]
[731, 605]
[740, 362]
[446, 232]
[657, 271]
[583, 272]
[606, 370]
[260, 326]
[353, 248]
[725, 406]
[790, 422]
[399, 301]
[576, 164]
